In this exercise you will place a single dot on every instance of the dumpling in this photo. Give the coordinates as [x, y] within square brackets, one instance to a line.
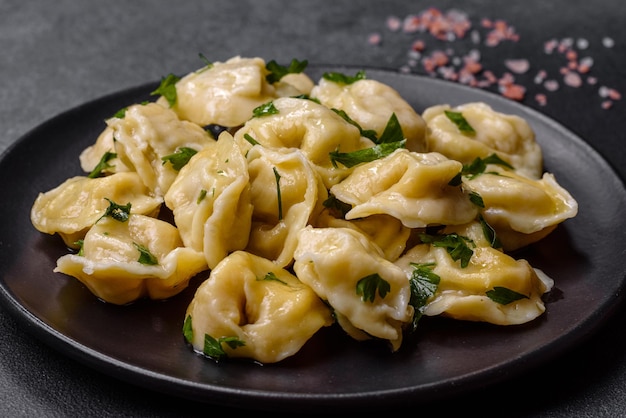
[74, 206]
[224, 93]
[508, 136]
[313, 128]
[336, 262]
[371, 103]
[462, 292]
[286, 193]
[210, 200]
[412, 187]
[121, 262]
[293, 84]
[522, 210]
[146, 134]
[265, 308]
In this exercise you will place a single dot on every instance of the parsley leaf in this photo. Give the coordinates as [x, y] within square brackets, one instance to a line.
[273, 277]
[504, 296]
[476, 199]
[187, 329]
[278, 71]
[167, 89]
[81, 250]
[251, 140]
[456, 245]
[479, 165]
[461, 123]
[145, 256]
[264, 110]
[489, 232]
[180, 158]
[393, 131]
[367, 133]
[340, 78]
[350, 159]
[213, 347]
[118, 212]
[278, 195]
[424, 283]
[102, 165]
[337, 206]
[201, 196]
[368, 285]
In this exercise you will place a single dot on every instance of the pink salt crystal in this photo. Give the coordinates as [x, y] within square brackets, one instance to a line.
[614, 94]
[518, 66]
[418, 45]
[374, 39]
[541, 76]
[514, 91]
[549, 46]
[394, 23]
[592, 80]
[551, 85]
[572, 79]
[607, 104]
[541, 99]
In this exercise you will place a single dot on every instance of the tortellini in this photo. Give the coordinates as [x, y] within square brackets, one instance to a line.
[412, 187]
[309, 126]
[371, 103]
[307, 206]
[269, 312]
[334, 260]
[111, 265]
[210, 200]
[148, 133]
[74, 206]
[508, 136]
[520, 209]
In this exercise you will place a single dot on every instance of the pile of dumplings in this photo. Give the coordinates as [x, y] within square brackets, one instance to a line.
[302, 211]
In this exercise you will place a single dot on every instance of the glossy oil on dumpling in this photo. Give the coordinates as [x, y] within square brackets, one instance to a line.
[71, 208]
[371, 103]
[333, 260]
[309, 126]
[286, 193]
[223, 93]
[147, 133]
[412, 187]
[262, 305]
[522, 210]
[508, 136]
[109, 262]
[210, 200]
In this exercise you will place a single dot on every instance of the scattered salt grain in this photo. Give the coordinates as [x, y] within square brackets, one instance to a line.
[374, 39]
[518, 66]
[608, 42]
[541, 99]
[582, 43]
[394, 23]
[551, 85]
[572, 79]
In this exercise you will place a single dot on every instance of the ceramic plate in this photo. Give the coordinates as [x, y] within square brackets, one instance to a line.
[143, 343]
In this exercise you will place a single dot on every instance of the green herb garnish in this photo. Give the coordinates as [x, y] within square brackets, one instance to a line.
[264, 110]
[340, 78]
[167, 89]
[424, 283]
[278, 71]
[456, 245]
[188, 329]
[369, 285]
[179, 158]
[213, 347]
[278, 194]
[479, 165]
[201, 196]
[504, 296]
[271, 276]
[102, 165]
[145, 256]
[336, 205]
[350, 159]
[118, 212]
[489, 233]
[461, 123]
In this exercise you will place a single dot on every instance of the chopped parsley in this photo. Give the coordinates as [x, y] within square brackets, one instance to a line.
[278, 194]
[251, 140]
[167, 89]
[350, 159]
[102, 165]
[423, 283]
[341, 78]
[118, 212]
[479, 165]
[271, 276]
[369, 285]
[504, 296]
[367, 133]
[476, 199]
[120, 113]
[188, 329]
[461, 123]
[337, 206]
[264, 110]
[145, 256]
[201, 196]
[278, 71]
[392, 133]
[489, 233]
[207, 63]
[213, 347]
[81, 250]
[456, 245]
[179, 158]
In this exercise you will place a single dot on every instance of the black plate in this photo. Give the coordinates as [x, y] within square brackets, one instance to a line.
[143, 344]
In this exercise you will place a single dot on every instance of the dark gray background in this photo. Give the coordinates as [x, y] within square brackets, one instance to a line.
[59, 54]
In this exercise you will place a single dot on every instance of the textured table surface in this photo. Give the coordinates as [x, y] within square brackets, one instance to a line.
[58, 55]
